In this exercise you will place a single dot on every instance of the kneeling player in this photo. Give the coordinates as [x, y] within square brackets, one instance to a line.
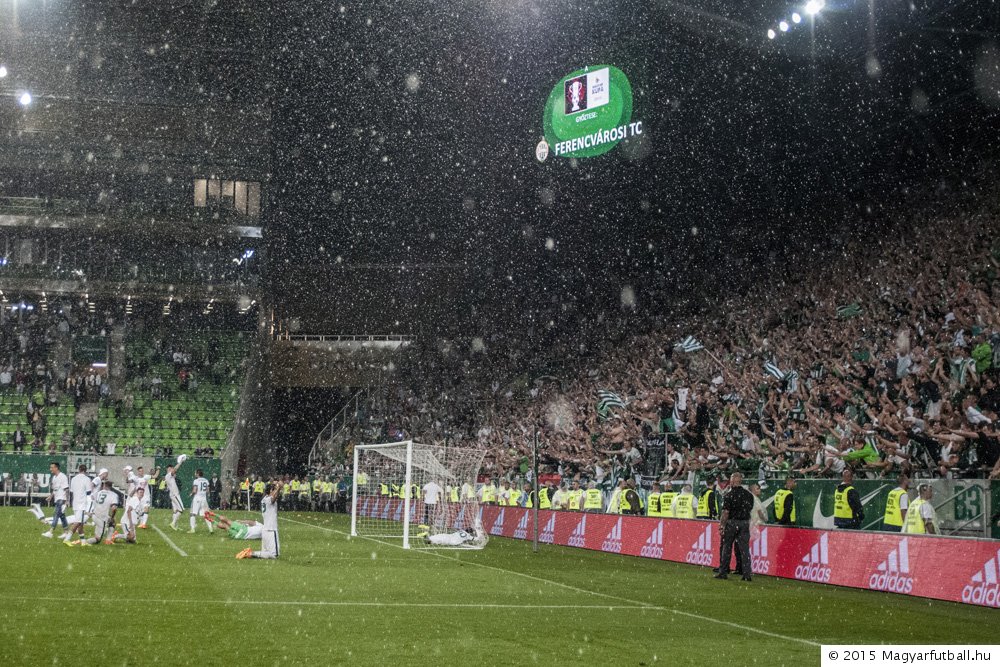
[269, 537]
[133, 510]
[105, 504]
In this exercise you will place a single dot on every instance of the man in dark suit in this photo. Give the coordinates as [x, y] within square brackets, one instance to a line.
[734, 524]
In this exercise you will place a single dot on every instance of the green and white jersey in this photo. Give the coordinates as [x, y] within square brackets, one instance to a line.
[960, 368]
[103, 502]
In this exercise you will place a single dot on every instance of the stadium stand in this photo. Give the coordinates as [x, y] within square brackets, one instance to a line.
[883, 355]
[184, 405]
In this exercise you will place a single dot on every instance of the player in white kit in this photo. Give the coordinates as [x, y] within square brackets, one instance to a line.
[142, 481]
[96, 485]
[103, 502]
[130, 479]
[133, 509]
[460, 538]
[199, 500]
[79, 487]
[176, 504]
[269, 545]
[58, 488]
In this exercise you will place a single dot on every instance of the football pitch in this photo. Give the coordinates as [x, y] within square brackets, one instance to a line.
[177, 598]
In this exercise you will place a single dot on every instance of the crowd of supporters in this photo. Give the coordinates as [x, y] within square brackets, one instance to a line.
[883, 357]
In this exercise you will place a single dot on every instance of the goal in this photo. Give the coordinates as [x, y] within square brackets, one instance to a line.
[424, 495]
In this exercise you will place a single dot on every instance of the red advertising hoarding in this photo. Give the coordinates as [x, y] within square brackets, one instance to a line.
[943, 568]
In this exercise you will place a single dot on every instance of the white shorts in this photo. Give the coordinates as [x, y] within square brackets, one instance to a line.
[100, 526]
[176, 504]
[77, 515]
[269, 544]
[198, 506]
[126, 526]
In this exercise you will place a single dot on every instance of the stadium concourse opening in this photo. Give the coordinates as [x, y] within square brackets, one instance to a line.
[659, 331]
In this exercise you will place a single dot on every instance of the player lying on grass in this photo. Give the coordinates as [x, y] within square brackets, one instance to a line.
[238, 530]
[460, 538]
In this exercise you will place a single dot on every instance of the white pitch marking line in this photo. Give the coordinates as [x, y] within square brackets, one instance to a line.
[644, 605]
[169, 541]
[343, 603]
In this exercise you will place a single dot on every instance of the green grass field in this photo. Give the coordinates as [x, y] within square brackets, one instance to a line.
[334, 600]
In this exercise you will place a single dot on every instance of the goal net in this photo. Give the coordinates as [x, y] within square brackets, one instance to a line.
[424, 495]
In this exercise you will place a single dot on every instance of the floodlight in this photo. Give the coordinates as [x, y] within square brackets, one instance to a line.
[813, 7]
[783, 26]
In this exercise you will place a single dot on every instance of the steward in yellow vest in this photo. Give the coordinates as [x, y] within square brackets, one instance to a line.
[592, 500]
[544, 503]
[383, 490]
[574, 498]
[847, 510]
[784, 503]
[258, 487]
[529, 496]
[503, 493]
[488, 494]
[916, 521]
[303, 500]
[708, 503]
[684, 504]
[630, 502]
[653, 502]
[514, 497]
[667, 501]
[245, 485]
[453, 494]
[896, 505]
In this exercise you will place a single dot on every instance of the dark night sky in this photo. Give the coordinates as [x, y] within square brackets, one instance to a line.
[404, 134]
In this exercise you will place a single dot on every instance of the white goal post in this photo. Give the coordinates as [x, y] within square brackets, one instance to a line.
[424, 495]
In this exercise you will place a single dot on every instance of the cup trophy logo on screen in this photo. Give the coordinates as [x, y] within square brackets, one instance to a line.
[576, 94]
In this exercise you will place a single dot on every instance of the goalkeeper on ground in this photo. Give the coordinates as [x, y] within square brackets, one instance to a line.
[460, 538]
[238, 530]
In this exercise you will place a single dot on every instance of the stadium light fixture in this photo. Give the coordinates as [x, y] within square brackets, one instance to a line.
[783, 26]
[771, 34]
[25, 99]
[796, 17]
[3, 71]
[813, 7]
